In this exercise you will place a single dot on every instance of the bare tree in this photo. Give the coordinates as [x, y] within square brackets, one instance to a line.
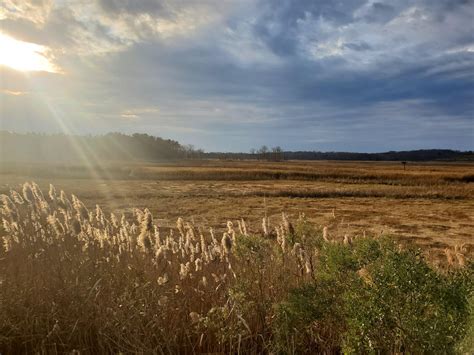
[277, 153]
[263, 152]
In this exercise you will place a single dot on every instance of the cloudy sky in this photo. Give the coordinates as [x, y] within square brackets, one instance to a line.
[355, 75]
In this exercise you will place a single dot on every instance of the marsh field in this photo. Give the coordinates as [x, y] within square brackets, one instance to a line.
[430, 204]
[237, 257]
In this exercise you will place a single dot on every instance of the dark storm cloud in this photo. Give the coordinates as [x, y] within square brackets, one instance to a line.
[278, 22]
[227, 75]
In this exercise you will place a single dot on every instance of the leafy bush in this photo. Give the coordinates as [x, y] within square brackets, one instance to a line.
[380, 299]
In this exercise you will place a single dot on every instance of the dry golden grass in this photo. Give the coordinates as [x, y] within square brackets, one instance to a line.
[428, 203]
[84, 280]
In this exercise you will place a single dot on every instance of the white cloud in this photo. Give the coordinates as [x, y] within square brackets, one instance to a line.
[36, 11]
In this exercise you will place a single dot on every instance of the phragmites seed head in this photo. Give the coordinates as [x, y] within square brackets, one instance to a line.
[325, 234]
[162, 279]
[283, 244]
[80, 208]
[347, 240]
[307, 266]
[52, 192]
[180, 226]
[146, 228]
[194, 317]
[28, 192]
[37, 191]
[287, 226]
[55, 224]
[244, 227]
[198, 264]
[17, 198]
[7, 243]
[265, 226]
[9, 207]
[63, 199]
[114, 220]
[184, 270]
[230, 227]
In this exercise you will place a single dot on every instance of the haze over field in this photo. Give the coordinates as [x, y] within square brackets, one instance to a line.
[230, 75]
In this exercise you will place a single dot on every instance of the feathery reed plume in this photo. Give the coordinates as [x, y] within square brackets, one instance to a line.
[184, 270]
[180, 226]
[230, 230]
[57, 226]
[17, 198]
[288, 227]
[326, 234]
[146, 228]
[28, 194]
[265, 226]
[198, 264]
[347, 240]
[64, 201]
[239, 224]
[52, 193]
[163, 279]
[81, 210]
[9, 208]
[244, 227]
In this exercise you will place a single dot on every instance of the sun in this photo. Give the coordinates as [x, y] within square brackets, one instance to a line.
[24, 56]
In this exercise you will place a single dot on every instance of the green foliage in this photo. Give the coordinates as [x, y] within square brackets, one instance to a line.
[407, 306]
[380, 299]
[310, 320]
[466, 346]
[252, 249]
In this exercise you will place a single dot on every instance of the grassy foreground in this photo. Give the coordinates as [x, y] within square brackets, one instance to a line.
[78, 280]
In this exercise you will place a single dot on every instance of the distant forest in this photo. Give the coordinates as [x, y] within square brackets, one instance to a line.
[411, 155]
[16, 147]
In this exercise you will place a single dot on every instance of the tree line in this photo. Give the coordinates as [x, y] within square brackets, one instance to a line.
[120, 147]
[109, 147]
[277, 154]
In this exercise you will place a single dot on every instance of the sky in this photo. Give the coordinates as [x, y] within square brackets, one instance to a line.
[326, 75]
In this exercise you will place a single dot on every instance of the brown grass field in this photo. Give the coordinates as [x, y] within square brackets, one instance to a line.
[430, 204]
[237, 258]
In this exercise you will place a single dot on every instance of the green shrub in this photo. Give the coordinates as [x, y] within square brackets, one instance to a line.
[310, 320]
[374, 298]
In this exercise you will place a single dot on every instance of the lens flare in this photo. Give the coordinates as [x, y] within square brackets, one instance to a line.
[24, 56]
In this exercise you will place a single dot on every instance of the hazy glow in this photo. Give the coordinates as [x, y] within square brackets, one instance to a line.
[24, 56]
